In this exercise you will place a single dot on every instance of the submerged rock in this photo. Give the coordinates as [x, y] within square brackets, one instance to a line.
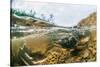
[68, 42]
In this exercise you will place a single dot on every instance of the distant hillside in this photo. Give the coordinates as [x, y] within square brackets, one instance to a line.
[88, 21]
[23, 18]
[29, 21]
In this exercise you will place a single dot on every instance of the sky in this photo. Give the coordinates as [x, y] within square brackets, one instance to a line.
[64, 14]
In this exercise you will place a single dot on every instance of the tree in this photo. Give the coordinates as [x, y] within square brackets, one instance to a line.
[43, 17]
[32, 13]
[51, 18]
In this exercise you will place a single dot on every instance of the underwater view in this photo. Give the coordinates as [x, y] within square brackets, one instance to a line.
[44, 33]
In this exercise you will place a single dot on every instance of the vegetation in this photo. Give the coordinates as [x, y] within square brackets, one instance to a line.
[17, 34]
[53, 37]
[23, 13]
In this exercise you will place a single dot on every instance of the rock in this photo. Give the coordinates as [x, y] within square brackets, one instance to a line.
[93, 51]
[69, 41]
[85, 53]
[77, 59]
[84, 40]
[90, 20]
[75, 52]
